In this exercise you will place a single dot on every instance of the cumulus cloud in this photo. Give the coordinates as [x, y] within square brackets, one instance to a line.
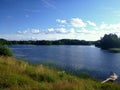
[91, 23]
[75, 28]
[72, 30]
[77, 22]
[103, 26]
[35, 31]
[110, 26]
[22, 32]
[51, 30]
[61, 30]
[57, 30]
[61, 21]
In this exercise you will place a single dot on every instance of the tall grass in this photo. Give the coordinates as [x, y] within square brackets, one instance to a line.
[20, 75]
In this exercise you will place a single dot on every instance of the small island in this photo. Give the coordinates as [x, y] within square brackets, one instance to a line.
[110, 42]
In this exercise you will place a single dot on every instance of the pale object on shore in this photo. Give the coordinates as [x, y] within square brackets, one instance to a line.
[112, 77]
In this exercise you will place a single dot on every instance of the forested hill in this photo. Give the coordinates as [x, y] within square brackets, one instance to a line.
[48, 42]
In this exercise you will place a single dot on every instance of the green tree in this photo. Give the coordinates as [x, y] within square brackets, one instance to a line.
[5, 51]
[3, 41]
[110, 41]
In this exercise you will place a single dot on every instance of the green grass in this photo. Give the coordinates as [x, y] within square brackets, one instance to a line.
[20, 75]
[116, 50]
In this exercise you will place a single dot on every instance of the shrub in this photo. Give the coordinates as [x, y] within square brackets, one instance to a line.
[5, 51]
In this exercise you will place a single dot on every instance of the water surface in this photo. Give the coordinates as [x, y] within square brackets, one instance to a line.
[98, 63]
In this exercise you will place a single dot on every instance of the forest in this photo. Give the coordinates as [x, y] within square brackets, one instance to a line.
[48, 42]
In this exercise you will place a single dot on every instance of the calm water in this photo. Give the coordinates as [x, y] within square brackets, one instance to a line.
[98, 63]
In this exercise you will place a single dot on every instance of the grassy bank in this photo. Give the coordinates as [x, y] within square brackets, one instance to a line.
[116, 50]
[20, 75]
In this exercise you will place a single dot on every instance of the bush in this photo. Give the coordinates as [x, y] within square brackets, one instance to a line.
[5, 51]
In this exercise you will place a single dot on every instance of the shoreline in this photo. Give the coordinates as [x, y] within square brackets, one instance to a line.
[114, 50]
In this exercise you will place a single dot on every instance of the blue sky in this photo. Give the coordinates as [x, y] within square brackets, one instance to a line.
[58, 19]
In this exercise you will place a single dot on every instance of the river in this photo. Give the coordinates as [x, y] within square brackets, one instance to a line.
[96, 62]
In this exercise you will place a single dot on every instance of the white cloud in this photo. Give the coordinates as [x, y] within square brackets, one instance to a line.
[61, 30]
[48, 4]
[56, 31]
[22, 32]
[91, 23]
[35, 31]
[51, 30]
[19, 32]
[86, 31]
[72, 30]
[114, 26]
[77, 22]
[105, 26]
[61, 21]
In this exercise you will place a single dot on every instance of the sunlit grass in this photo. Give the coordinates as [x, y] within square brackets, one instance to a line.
[116, 50]
[20, 75]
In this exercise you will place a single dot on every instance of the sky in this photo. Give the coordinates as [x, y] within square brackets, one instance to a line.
[58, 19]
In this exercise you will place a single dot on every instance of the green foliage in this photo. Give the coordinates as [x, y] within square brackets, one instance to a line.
[3, 41]
[47, 42]
[5, 51]
[109, 41]
[43, 77]
[56, 42]
[85, 75]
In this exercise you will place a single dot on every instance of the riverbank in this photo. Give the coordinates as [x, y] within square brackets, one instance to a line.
[115, 50]
[20, 75]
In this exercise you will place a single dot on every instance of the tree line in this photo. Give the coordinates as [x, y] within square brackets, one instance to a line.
[108, 41]
[48, 42]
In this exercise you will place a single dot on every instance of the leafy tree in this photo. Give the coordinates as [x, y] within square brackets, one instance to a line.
[3, 42]
[5, 51]
[109, 41]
